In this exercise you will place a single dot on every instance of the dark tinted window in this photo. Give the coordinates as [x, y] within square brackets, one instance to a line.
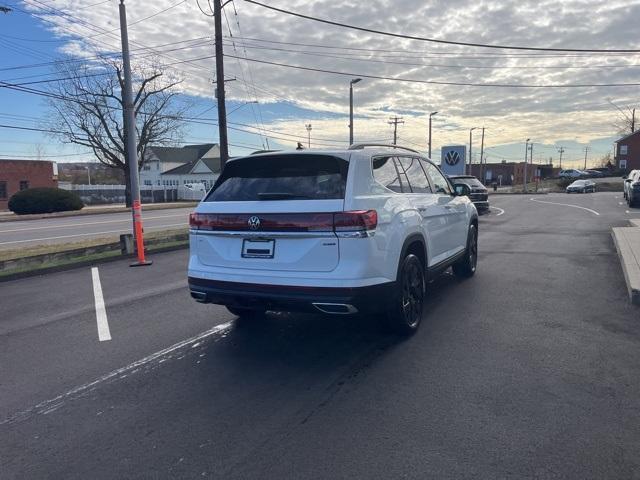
[385, 172]
[3, 190]
[286, 177]
[472, 182]
[417, 178]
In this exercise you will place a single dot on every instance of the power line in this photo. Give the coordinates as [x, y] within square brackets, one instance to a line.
[435, 40]
[437, 82]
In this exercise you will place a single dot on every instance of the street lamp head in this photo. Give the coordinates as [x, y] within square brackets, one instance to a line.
[433, 113]
[355, 80]
[528, 139]
[472, 129]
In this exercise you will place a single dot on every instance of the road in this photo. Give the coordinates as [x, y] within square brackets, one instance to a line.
[528, 370]
[22, 233]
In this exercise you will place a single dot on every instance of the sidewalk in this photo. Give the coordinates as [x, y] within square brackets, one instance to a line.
[7, 216]
[627, 241]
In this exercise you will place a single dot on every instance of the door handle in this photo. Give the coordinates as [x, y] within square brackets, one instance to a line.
[448, 207]
[422, 209]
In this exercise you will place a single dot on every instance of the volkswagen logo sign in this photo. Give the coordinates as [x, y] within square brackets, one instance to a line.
[452, 157]
[253, 222]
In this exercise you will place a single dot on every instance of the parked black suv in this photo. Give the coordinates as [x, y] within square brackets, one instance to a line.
[479, 195]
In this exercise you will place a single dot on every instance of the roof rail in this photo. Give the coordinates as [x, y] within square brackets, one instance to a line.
[361, 146]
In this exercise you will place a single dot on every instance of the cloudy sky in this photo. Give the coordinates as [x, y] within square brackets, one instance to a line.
[179, 35]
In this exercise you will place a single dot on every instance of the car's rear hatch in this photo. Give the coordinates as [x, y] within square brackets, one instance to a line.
[273, 212]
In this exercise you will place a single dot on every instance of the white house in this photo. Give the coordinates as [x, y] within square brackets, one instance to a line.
[203, 170]
[161, 160]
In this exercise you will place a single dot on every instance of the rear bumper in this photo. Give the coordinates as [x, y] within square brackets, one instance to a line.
[481, 204]
[291, 298]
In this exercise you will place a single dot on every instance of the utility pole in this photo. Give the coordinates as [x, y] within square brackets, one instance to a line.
[561, 150]
[222, 108]
[131, 140]
[430, 115]
[586, 150]
[633, 120]
[481, 154]
[351, 83]
[308, 127]
[468, 170]
[526, 153]
[395, 121]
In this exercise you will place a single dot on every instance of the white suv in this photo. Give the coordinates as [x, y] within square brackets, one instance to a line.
[346, 231]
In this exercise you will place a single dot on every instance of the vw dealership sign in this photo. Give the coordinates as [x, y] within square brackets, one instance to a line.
[453, 159]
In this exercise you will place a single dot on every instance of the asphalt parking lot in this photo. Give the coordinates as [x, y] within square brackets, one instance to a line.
[528, 370]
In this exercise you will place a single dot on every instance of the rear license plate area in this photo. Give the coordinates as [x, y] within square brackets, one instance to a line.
[258, 248]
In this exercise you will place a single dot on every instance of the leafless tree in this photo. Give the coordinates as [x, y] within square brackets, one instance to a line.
[626, 120]
[87, 110]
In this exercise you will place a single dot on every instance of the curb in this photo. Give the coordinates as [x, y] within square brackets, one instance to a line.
[85, 263]
[629, 260]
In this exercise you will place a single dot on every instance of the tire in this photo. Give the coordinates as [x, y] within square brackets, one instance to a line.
[245, 313]
[405, 312]
[466, 267]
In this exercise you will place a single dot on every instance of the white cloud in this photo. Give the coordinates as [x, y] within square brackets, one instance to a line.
[511, 114]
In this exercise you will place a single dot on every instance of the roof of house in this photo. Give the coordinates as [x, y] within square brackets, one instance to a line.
[186, 154]
[212, 164]
[628, 136]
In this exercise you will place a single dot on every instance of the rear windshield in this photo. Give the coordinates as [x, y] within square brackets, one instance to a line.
[472, 182]
[285, 177]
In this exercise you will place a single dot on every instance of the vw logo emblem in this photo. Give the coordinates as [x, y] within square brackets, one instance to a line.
[253, 222]
[452, 157]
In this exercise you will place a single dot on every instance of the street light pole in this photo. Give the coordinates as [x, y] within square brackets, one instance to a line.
[526, 154]
[481, 155]
[430, 115]
[351, 83]
[308, 127]
[470, 149]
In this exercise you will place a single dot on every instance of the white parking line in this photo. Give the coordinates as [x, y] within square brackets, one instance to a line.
[101, 313]
[56, 402]
[83, 224]
[501, 211]
[566, 205]
[89, 234]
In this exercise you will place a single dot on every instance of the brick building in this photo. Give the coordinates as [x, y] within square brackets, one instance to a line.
[628, 152]
[512, 173]
[16, 175]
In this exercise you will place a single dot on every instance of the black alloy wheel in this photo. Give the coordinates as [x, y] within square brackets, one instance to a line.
[466, 267]
[405, 312]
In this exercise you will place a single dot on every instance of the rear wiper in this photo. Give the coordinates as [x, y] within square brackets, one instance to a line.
[280, 196]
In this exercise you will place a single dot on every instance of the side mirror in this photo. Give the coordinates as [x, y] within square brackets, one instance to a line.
[461, 189]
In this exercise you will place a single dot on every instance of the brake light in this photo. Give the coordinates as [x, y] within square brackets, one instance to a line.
[356, 220]
[360, 221]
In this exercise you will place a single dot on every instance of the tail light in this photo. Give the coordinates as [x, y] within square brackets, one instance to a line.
[358, 223]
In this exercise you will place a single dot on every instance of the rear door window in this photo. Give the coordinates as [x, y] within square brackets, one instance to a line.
[284, 177]
[415, 174]
[440, 184]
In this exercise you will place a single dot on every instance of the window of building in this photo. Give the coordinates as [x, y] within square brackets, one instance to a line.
[24, 184]
[3, 190]
[624, 149]
[623, 165]
[148, 182]
[158, 182]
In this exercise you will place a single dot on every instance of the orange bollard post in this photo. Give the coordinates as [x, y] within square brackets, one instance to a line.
[137, 222]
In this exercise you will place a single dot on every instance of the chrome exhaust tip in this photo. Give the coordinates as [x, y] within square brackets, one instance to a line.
[199, 296]
[336, 308]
